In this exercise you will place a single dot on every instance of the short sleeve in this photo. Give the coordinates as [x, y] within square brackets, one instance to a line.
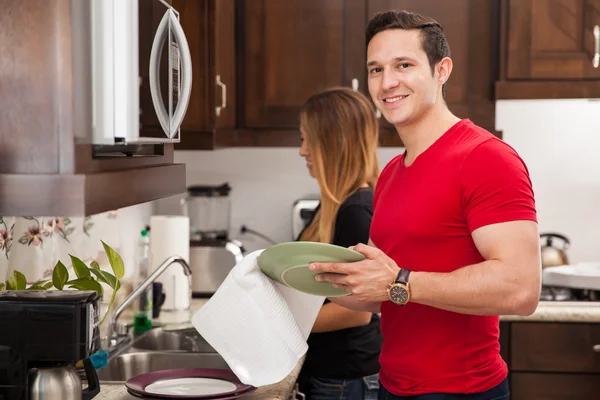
[496, 186]
[352, 225]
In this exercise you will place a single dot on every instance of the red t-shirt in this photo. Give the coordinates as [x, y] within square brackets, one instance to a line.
[423, 218]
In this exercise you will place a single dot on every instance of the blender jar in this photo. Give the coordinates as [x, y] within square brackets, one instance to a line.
[209, 209]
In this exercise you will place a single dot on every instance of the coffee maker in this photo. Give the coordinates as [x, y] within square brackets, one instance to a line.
[212, 252]
[43, 334]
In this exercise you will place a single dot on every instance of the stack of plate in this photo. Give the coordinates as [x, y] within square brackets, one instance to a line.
[188, 383]
[287, 263]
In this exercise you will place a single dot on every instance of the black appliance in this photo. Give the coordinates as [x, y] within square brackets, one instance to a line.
[46, 329]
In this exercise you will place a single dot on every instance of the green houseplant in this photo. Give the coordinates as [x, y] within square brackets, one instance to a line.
[88, 278]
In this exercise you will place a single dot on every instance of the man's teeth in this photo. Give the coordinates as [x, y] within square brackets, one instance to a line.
[393, 99]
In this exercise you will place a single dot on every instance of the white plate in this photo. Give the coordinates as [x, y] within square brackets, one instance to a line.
[190, 386]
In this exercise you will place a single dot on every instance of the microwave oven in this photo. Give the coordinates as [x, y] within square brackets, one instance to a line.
[139, 68]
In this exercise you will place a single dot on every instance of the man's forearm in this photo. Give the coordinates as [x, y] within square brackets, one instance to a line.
[480, 289]
[353, 304]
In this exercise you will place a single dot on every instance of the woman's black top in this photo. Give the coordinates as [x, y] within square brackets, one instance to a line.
[353, 352]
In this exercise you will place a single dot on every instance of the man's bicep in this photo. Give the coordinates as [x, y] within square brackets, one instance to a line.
[514, 242]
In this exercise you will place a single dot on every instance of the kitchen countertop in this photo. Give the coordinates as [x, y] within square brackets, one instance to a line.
[277, 391]
[547, 311]
[561, 311]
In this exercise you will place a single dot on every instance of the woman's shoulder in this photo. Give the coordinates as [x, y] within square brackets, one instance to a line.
[362, 197]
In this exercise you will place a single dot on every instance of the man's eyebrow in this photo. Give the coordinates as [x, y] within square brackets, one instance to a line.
[396, 59]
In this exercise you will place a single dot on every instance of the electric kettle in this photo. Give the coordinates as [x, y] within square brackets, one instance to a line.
[552, 255]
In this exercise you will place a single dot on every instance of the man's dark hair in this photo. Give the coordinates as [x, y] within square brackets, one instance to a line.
[433, 40]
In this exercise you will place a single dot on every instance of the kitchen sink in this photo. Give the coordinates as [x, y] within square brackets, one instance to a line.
[126, 366]
[159, 340]
[158, 350]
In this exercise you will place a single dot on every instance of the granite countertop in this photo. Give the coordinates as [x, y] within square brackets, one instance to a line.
[561, 311]
[277, 391]
[547, 311]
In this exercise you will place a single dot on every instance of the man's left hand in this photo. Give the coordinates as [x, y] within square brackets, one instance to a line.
[368, 280]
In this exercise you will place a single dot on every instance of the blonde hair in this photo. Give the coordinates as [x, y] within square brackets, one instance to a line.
[342, 133]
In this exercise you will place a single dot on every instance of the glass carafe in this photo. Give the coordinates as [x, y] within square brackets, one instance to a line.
[209, 210]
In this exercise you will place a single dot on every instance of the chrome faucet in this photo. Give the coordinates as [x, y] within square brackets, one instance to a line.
[119, 330]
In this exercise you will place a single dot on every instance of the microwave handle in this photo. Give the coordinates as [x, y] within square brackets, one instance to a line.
[155, 92]
[186, 76]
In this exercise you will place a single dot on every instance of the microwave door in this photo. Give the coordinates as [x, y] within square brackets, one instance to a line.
[179, 61]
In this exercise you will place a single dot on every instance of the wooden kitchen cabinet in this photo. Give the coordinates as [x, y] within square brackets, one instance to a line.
[549, 48]
[291, 50]
[471, 27]
[209, 26]
[552, 361]
[272, 55]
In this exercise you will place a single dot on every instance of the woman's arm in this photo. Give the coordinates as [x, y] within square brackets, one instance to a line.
[334, 317]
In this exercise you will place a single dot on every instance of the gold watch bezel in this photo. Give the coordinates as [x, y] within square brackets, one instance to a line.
[406, 287]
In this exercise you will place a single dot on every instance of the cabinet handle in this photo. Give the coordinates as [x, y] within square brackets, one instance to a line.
[355, 84]
[596, 60]
[223, 95]
[596, 348]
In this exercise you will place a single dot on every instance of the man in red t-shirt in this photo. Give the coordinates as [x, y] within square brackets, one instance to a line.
[454, 238]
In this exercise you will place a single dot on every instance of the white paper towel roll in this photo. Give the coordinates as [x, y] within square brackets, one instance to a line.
[170, 236]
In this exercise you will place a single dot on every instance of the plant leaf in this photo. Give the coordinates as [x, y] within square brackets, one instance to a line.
[95, 265]
[2, 286]
[60, 276]
[81, 270]
[88, 284]
[47, 285]
[72, 281]
[106, 277]
[17, 280]
[115, 260]
[99, 275]
[39, 285]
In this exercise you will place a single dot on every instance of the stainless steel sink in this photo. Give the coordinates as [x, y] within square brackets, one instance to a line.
[126, 366]
[158, 350]
[157, 339]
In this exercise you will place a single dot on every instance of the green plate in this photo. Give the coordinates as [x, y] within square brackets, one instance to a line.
[287, 263]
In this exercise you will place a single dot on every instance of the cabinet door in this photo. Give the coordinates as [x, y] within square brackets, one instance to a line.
[555, 347]
[209, 26]
[552, 39]
[471, 29]
[294, 48]
[534, 386]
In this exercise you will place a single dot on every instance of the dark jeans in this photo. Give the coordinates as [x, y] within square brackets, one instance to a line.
[340, 389]
[499, 392]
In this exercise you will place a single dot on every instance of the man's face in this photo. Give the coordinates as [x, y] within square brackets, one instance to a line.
[401, 83]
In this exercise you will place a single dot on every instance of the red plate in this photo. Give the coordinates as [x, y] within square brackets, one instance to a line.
[137, 385]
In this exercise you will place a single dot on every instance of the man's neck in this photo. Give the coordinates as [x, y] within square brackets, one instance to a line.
[418, 136]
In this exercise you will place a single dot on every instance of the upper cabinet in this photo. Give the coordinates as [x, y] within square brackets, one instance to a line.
[210, 29]
[551, 49]
[471, 28]
[257, 61]
[51, 116]
[293, 49]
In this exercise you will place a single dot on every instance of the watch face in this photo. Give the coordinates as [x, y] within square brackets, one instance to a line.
[398, 294]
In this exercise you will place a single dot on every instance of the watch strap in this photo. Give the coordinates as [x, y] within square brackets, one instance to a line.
[402, 276]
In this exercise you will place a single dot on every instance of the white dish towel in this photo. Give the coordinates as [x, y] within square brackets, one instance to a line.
[257, 325]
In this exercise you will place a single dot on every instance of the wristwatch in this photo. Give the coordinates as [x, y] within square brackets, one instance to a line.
[399, 290]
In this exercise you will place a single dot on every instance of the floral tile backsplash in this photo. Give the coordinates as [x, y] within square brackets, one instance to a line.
[33, 245]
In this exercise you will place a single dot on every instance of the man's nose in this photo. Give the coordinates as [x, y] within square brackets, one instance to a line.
[390, 79]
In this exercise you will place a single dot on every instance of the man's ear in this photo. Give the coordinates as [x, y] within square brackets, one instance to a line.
[444, 69]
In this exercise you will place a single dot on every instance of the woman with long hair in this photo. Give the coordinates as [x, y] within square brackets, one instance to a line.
[339, 142]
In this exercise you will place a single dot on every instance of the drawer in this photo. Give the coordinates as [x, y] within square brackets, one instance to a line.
[535, 386]
[554, 347]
